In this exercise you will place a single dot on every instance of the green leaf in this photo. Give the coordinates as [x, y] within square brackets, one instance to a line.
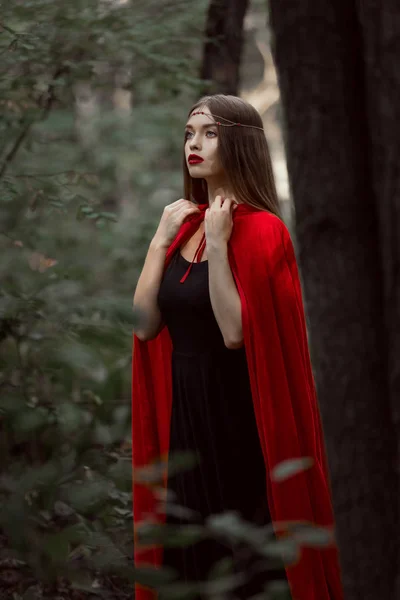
[109, 216]
[153, 577]
[31, 420]
[313, 535]
[57, 548]
[70, 417]
[170, 535]
[87, 496]
[81, 358]
[278, 590]
[290, 468]
[286, 550]
[83, 581]
[221, 568]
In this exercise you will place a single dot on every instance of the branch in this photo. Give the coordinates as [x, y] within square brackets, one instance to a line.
[13, 32]
[22, 175]
[45, 102]
[6, 28]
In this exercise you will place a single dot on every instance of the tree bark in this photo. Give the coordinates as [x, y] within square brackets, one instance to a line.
[223, 46]
[381, 27]
[319, 54]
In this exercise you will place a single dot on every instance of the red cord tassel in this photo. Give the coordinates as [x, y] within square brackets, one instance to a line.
[198, 254]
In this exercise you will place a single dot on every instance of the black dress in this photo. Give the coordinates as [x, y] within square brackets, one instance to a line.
[212, 415]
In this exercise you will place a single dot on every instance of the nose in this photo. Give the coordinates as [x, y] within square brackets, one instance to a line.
[194, 142]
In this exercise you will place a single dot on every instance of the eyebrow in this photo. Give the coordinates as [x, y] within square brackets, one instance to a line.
[211, 124]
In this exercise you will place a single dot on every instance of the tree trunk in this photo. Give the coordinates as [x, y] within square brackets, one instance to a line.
[381, 26]
[223, 46]
[319, 54]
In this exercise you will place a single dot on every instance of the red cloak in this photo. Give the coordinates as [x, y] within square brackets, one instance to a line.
[262, 260]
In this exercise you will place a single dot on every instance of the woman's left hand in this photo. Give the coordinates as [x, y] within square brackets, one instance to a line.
[218, 222]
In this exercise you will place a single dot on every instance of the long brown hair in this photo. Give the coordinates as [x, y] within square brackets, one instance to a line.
[244, 155]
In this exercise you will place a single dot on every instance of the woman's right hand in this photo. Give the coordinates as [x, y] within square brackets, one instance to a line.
[174, 215]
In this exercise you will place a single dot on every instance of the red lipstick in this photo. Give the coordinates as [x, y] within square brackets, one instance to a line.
[194, 159]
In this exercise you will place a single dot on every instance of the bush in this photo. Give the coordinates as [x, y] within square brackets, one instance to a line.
[93, 100]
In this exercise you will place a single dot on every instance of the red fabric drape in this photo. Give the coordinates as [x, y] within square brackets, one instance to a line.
[263, 264]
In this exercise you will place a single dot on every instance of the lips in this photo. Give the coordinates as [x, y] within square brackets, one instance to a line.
[194, 159]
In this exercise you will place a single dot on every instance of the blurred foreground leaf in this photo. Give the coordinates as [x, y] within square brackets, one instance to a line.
[290, 468]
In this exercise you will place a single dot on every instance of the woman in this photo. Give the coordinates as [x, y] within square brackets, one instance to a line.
[221, 364]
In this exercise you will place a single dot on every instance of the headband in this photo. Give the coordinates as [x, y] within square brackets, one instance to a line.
[228, 124]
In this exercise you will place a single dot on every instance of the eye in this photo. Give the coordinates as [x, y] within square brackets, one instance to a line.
[189, 133]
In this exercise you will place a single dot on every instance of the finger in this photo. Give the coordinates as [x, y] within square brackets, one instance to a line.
[187, 204]
[176, 206]
[191, 206]
[183, 203]
[184, 211]
[177, 202]
[189, 209]
[217, 202]
[227, 204]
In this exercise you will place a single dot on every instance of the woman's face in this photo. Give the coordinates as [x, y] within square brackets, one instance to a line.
[201, 140]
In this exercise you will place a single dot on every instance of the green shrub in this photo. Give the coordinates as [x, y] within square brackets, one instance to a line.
[93, 99]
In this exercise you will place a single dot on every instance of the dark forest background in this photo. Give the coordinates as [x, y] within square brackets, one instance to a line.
[93, 99]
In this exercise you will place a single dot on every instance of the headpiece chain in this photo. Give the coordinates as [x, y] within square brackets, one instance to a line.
[229, 122]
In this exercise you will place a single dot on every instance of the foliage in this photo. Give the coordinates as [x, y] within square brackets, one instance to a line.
[253, 550]
[93, 98]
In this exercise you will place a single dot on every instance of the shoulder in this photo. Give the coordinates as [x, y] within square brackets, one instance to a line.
[268, 237]
[264, 224]
[266, 219]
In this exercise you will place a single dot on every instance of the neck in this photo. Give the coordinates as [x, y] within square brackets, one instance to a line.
[218, 188]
